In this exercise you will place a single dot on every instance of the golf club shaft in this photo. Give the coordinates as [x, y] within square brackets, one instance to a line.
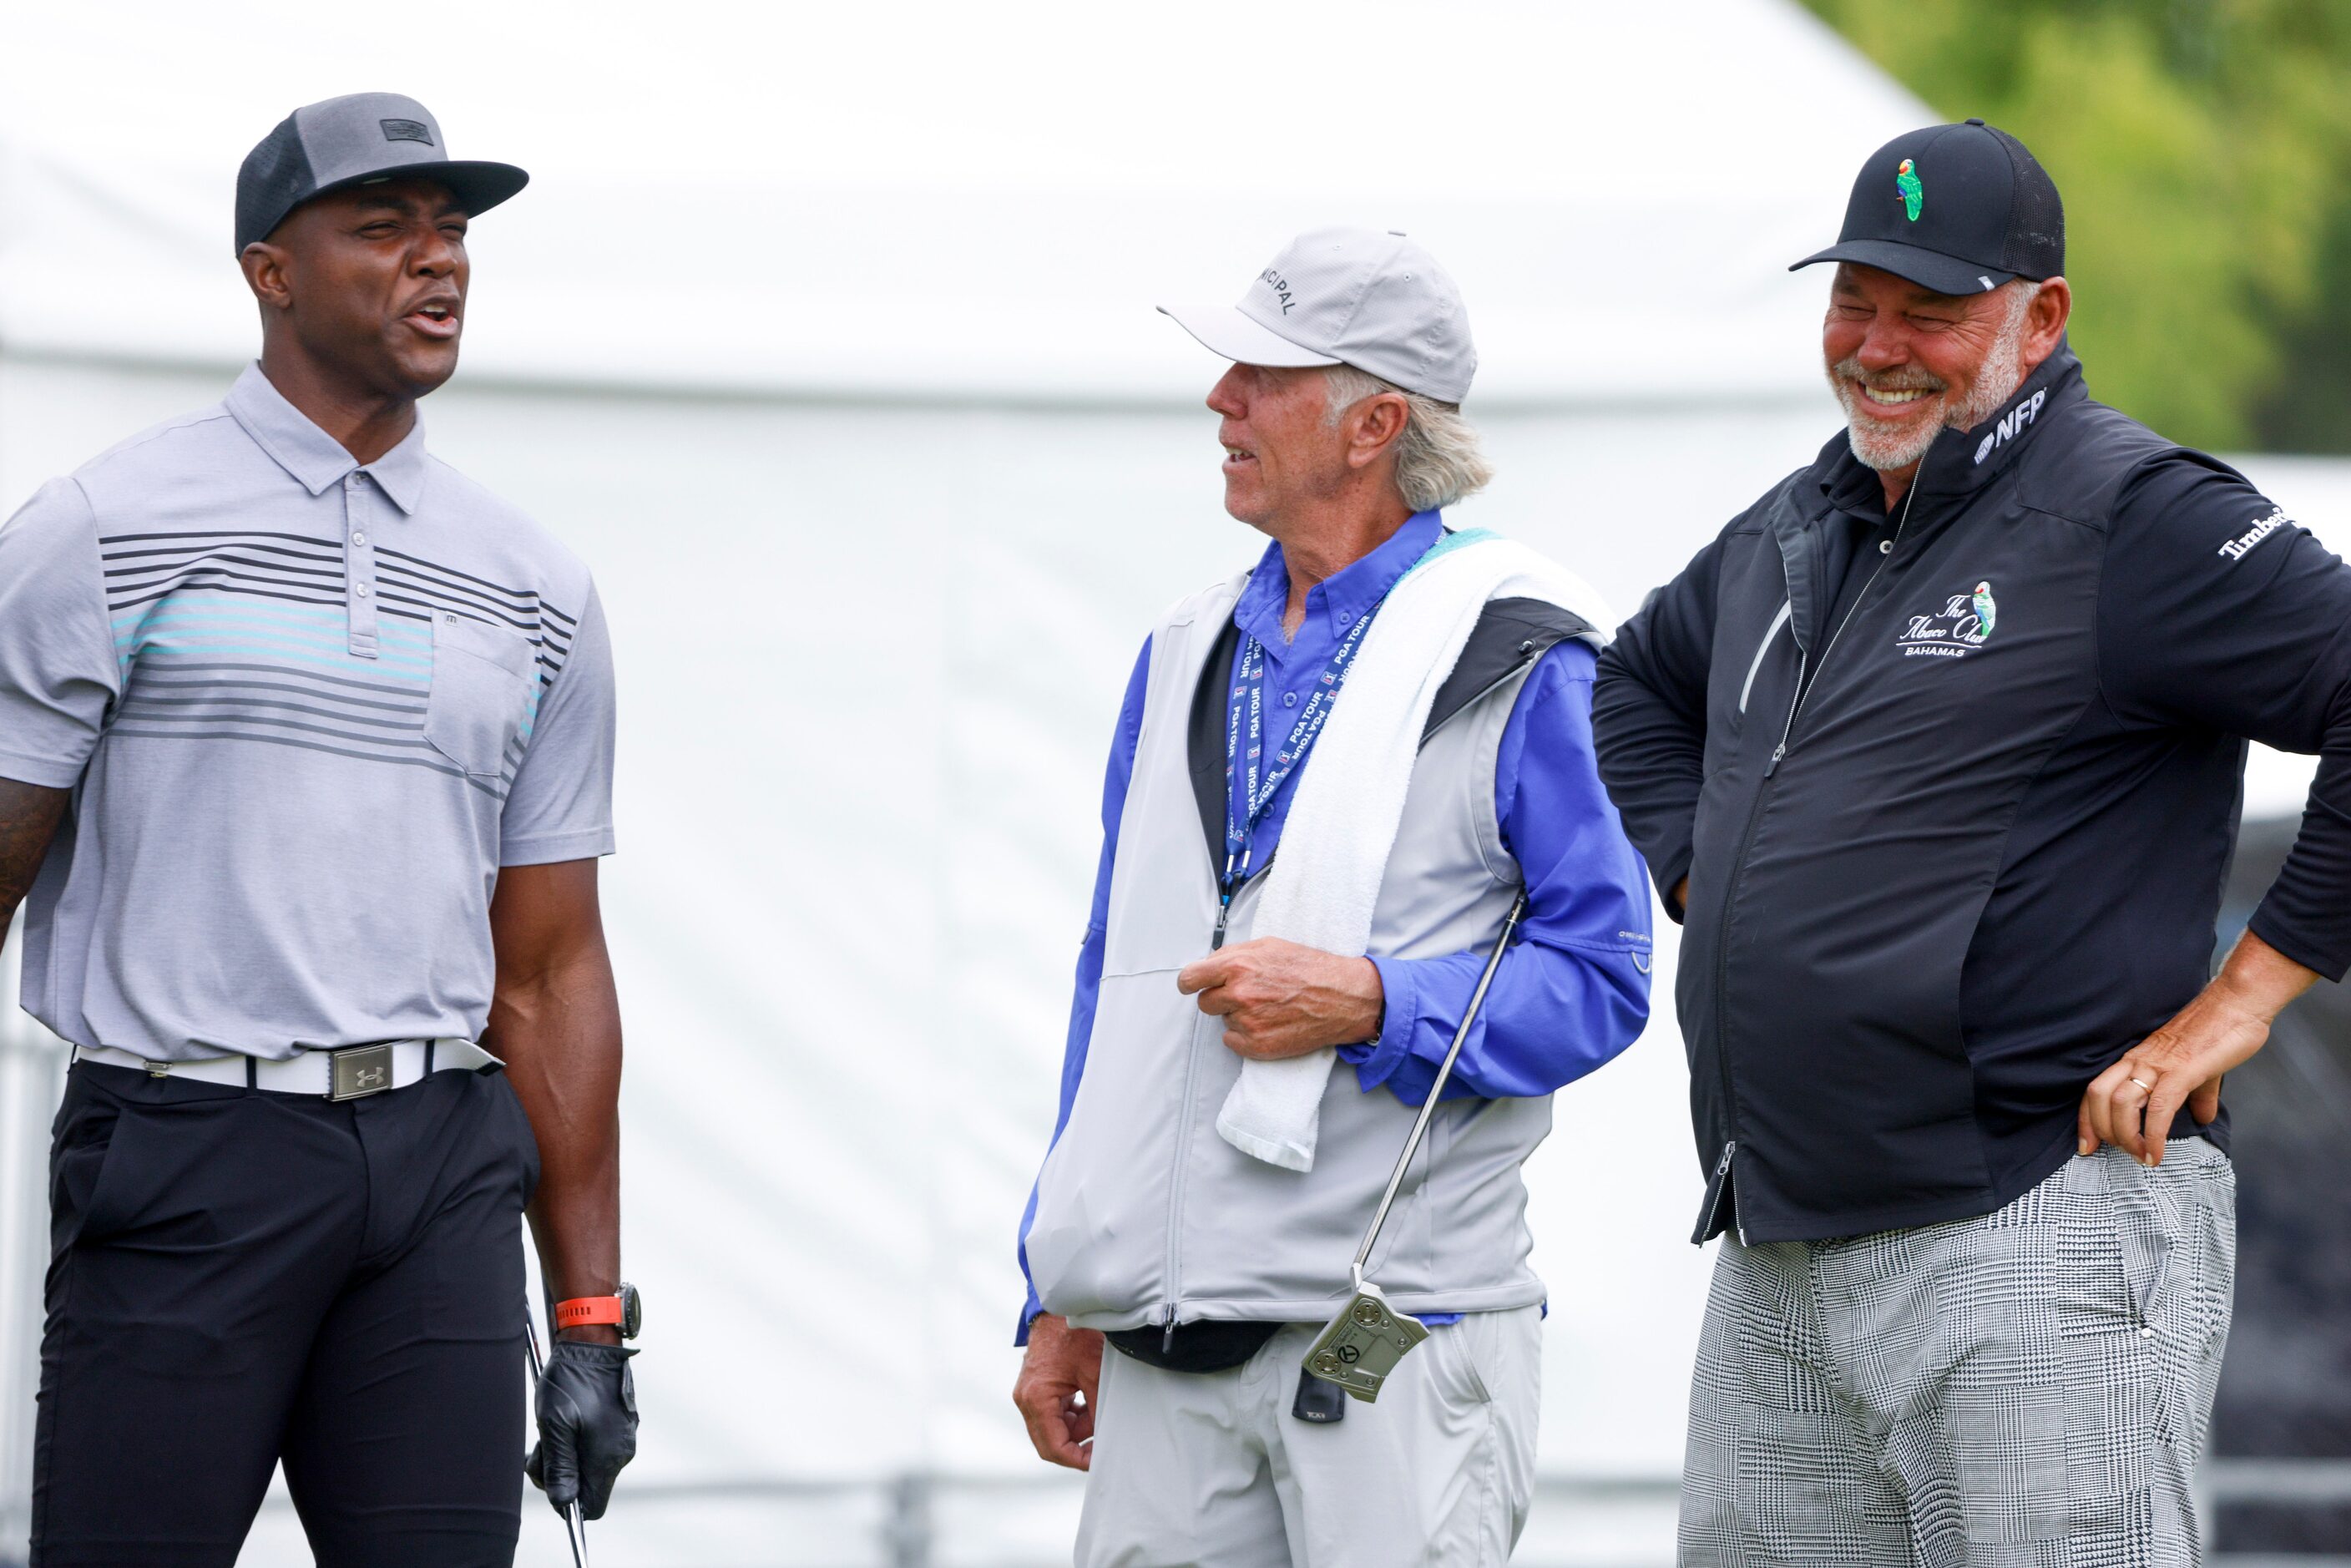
[1428, 1106]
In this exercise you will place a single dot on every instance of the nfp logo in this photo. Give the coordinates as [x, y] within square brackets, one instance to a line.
[2011, 423]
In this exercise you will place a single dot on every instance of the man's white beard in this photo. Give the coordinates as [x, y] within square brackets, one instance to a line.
[1890, 448]
[1879, 444]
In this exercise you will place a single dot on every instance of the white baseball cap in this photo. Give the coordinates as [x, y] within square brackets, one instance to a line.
[1348, 297]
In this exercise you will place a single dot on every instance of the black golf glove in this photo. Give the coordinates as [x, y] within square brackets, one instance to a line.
[587, 1424]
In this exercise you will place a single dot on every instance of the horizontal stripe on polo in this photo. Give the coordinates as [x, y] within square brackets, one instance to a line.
[312, 707]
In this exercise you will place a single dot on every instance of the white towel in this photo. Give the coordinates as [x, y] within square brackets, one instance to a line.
[1320, 889]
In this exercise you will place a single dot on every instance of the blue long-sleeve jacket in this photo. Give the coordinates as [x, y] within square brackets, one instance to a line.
[1569, 996]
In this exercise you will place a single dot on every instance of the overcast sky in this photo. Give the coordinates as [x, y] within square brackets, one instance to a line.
[982, 199]
[1504, 99]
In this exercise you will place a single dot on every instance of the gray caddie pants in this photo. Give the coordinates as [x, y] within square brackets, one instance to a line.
[2029, 1389]
[1209, 1469]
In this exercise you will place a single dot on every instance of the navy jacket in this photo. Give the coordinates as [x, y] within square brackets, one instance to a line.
[1981, 855]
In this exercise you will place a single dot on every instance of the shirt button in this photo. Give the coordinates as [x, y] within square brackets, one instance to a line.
[1885, 546]
[362, 590]
[1289, 699]
[1344, 617]
[2147, 1333]
[359, 537]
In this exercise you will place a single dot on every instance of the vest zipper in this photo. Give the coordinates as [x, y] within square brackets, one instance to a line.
[1225, 901]
[1191, 1060]
[1184, 1124]
[1176, 1187]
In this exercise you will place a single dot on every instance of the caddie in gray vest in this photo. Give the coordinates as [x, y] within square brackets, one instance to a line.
[1935, 750]
[1332, 778]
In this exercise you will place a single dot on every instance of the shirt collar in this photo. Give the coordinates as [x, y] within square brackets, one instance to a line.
[314, 458]
[1340, 600]
[1851, 486]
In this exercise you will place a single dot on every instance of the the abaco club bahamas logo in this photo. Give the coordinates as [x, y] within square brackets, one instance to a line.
[1963, 623]
[1907, 188]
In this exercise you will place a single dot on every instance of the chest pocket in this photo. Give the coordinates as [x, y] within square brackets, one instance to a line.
[481, 683]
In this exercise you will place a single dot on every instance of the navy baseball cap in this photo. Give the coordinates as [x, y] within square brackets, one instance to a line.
[1959, 209]
[353, 140]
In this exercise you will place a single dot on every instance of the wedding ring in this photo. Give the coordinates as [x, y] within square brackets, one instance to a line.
[2144, 1084]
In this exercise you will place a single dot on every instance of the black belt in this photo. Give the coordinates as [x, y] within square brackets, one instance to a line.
[1206, 1345]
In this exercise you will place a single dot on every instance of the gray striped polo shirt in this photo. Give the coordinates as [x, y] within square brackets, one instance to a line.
[309, 709]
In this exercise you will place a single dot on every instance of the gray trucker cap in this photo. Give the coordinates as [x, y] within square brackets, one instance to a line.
[1348, 297]
[351, 141]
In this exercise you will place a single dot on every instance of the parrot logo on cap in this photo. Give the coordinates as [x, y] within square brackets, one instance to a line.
[1913, 195]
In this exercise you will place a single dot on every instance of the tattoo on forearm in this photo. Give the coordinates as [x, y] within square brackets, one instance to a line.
[29, 816]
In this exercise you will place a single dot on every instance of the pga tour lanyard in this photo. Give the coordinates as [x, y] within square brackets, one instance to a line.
[1246, 807]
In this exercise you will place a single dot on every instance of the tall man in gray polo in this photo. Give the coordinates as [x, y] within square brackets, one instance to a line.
[305, 750]
[1936, 749]
[1170, 1221]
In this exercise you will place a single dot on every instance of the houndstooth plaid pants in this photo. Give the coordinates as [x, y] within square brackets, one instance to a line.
[2029, 1389]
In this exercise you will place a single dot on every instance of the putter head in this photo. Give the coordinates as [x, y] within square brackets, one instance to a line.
[1364, 1343]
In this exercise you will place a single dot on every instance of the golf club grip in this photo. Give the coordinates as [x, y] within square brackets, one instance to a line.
[1444, 1073]
[575, 1523]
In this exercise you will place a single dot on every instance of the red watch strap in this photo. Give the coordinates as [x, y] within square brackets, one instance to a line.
[582, 1312]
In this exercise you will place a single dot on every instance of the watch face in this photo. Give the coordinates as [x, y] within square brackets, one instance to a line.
[632, 1311]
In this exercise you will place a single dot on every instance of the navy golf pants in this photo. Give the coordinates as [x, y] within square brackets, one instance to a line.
[239, 1276]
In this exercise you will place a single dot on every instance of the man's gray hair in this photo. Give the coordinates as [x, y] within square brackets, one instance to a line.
[1437, 457]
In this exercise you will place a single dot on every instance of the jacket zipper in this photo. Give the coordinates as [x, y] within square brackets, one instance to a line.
[1722, 984]
[1747, 842]
[1708, 1216]
[1803, 662]
[1803, 691]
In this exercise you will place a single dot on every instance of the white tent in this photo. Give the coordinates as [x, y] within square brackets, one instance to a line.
[824, 333]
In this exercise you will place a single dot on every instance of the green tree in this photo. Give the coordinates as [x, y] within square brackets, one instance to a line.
[2204, 154]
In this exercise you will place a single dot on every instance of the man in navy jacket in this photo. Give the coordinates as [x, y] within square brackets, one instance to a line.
[1936, 752]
